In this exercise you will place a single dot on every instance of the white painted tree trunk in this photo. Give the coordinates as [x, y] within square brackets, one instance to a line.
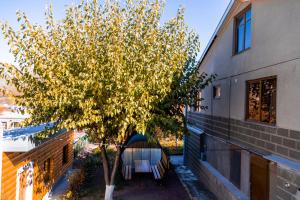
[109, 192]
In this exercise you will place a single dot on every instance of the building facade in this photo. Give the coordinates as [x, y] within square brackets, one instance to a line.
[31, 166]
[10, 117]
[248, 141]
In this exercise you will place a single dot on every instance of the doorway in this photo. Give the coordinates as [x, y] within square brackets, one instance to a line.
[24, 189]
[259, 178]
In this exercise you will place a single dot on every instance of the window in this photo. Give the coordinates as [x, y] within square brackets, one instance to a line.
[197, 105]
[4, 125]
[217, 91]
[65, 155]
[261, 100]
[243, 31]
[47, 170]
[15, 124]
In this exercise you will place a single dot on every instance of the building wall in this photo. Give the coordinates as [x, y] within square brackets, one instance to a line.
[275, 51]
[259, 138]
[215, 172]
[52, 149]
[284, 181]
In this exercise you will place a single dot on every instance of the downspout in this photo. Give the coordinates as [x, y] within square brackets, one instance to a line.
[184, 133]
[229, 109]
[212, 106]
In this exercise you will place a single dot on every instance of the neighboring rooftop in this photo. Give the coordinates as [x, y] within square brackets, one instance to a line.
[25, 131]
[26, 138]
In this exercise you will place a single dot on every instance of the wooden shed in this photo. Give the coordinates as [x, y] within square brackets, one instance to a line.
[29, 168]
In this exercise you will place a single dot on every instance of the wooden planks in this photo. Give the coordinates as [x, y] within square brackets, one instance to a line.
[51, 149]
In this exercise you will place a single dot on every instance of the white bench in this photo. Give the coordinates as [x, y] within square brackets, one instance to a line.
[158, 171]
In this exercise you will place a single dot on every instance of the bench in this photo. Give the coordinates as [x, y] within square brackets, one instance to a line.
[165, 161]
[158, 171]
[127, 172]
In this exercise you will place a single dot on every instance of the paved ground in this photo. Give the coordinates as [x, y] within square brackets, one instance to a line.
[144, 187]
[192, 184]
[59, 188]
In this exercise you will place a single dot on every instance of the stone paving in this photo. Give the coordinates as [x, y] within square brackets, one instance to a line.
[192, 184]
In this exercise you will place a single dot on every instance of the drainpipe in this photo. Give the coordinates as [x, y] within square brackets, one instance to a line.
[1, 152]
[184, 133]
[229, 108]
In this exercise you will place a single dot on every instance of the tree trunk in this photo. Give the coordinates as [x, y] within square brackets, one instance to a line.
[105, 163]
[115, 167]
[110, 178]
[109, 190]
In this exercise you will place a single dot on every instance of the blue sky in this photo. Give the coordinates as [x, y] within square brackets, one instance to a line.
[201, 15]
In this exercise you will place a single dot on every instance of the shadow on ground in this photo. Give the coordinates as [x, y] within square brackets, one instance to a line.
[144, 187]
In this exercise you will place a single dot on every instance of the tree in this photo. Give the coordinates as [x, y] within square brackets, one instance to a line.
[102, 69]
[169, 114]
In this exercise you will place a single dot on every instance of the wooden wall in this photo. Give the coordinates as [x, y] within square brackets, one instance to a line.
[52, 149]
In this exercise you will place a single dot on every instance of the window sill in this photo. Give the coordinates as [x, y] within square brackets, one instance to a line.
[241, 52]
[253, 122]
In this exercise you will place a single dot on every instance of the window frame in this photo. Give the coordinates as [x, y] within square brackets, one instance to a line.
[235, 40]
[260, 90]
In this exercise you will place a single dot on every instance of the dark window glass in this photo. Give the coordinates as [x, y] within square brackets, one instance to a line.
[16, 124]
[268, 101]
[254, 101]
[65, 154]
[243, 31]
[261, 99]
[235, 165]
[217, 91]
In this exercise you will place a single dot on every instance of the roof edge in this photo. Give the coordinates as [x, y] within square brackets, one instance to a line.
[214, 36]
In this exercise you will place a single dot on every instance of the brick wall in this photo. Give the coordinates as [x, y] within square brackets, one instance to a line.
[257, 137]
[52, 149]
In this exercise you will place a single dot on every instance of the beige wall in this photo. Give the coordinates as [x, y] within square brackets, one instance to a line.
[275, 50]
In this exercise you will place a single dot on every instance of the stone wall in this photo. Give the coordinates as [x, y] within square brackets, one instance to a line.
[256, 137]
[284, 183]
[215, 176]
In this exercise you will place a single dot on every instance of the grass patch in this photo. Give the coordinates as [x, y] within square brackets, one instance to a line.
[169, 145]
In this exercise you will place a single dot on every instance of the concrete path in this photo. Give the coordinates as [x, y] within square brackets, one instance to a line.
[191, 183]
